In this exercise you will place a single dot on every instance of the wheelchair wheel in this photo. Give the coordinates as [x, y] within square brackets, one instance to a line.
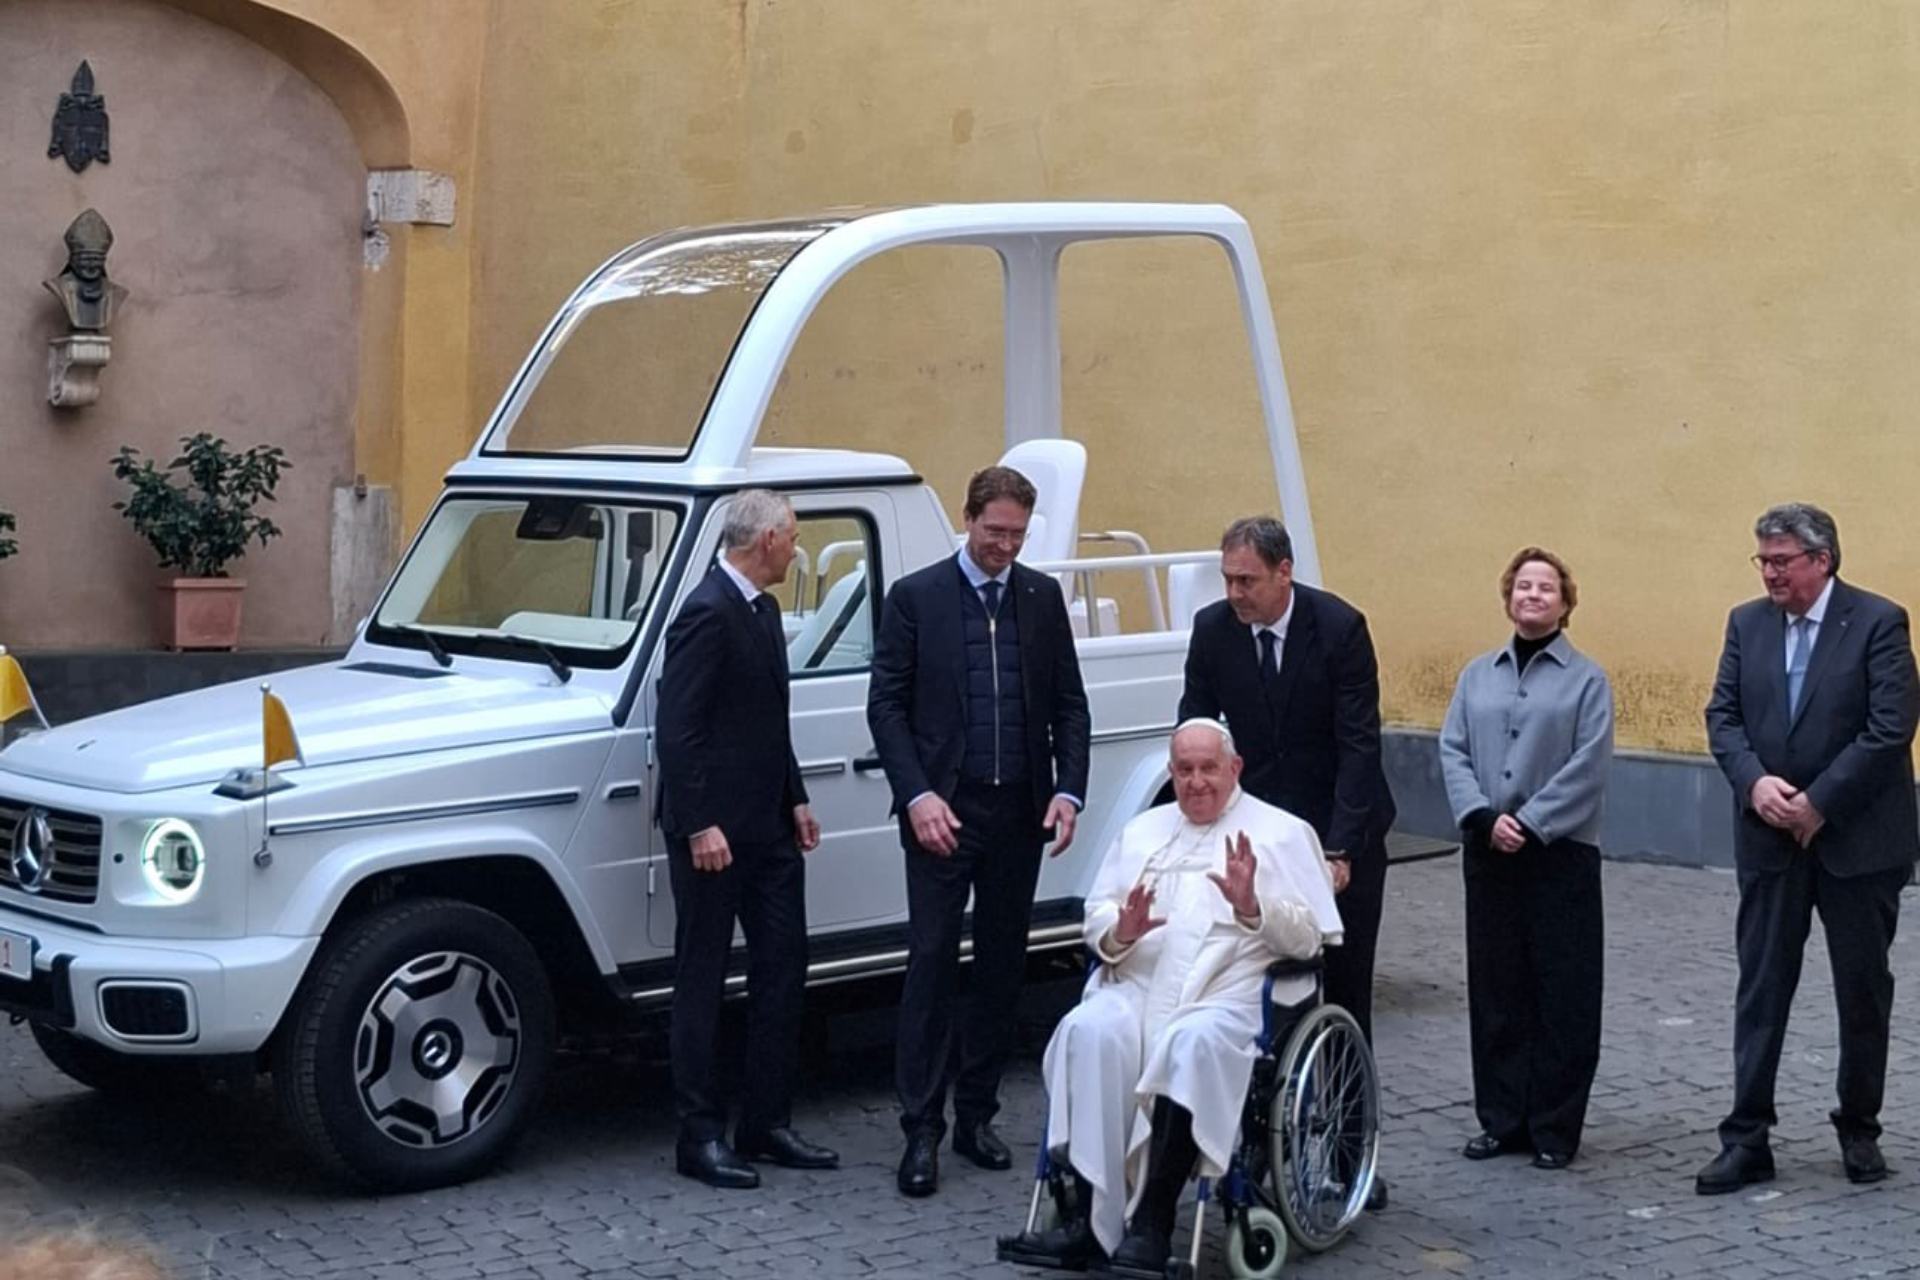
[1324, 1127]
[1256, 1245]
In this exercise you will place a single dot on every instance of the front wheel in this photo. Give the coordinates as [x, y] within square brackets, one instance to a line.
[1257, 1245]
[418, 1045]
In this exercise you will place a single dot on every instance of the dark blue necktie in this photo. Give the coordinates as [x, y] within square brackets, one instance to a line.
[991, 590]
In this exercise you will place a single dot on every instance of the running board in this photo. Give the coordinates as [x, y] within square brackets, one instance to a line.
[651, 982]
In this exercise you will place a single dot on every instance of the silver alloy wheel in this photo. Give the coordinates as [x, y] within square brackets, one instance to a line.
[1326, 1128]
[437, 1049]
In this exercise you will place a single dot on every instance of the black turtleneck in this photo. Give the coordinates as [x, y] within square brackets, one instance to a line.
[1524, 649]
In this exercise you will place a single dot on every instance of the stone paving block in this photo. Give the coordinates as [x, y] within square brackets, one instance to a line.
[226, 1195]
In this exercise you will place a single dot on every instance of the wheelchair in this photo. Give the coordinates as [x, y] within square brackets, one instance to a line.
[1309, 1141]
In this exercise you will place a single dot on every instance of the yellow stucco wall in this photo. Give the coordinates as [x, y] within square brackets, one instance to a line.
[1607, 277]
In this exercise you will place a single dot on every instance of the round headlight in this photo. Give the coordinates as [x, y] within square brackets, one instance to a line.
[173, 859]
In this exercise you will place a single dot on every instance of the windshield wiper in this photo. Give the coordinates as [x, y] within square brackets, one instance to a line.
[561, 671]
[440, 655]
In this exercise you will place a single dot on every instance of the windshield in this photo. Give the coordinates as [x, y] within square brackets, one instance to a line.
[632, 363]
[491, 573]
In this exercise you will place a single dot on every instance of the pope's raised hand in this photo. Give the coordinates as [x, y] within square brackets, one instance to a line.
[1136, 917]
[1237, 884]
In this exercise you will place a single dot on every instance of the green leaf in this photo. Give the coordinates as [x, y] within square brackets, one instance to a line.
[204, 523]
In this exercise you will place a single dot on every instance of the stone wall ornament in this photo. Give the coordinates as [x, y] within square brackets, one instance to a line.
[89, 299]
[80, 124]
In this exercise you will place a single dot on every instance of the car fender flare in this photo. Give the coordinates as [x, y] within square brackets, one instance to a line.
[312, 907]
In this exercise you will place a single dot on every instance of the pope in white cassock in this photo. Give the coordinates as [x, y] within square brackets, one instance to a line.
[1151, 1069]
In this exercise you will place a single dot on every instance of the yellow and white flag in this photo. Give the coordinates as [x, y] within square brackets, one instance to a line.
[276, 731]
[16, 696]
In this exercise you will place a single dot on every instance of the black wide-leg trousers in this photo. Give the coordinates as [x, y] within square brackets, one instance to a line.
[1535, 966]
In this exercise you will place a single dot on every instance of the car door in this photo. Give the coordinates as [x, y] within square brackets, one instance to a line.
[830, 605]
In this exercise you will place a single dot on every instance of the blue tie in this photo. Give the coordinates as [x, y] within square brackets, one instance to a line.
[991, 589]
[1796, 665]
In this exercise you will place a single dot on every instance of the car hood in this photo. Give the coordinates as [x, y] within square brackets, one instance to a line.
[341, 712]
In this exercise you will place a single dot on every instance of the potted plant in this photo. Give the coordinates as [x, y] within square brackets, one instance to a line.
[200, 527]
[7, 545]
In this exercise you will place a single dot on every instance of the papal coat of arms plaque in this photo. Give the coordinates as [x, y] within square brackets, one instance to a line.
[80, 124]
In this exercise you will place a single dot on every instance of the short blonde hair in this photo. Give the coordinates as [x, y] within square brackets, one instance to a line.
[1569, 592]
[77, 1255]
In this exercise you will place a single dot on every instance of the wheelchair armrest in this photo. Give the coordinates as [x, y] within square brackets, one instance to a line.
[1292, 968]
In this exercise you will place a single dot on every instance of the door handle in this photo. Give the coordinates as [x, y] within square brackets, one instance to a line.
[867, 764]
[822, 768]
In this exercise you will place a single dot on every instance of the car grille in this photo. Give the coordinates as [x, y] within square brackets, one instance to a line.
[73, 874]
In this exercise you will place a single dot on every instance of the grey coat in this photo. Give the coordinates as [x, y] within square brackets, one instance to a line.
[1535, 744]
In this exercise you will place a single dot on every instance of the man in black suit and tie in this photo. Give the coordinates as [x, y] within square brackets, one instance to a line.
[1292, 671]
[1812, 720]
[737, 824]
[980, 720]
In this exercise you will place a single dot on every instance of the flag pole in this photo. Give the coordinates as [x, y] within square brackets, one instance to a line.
[263, 856]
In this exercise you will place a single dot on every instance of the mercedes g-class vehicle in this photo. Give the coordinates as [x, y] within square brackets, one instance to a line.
[401, 926]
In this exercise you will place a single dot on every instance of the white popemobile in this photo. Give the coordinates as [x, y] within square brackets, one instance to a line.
[465, 864]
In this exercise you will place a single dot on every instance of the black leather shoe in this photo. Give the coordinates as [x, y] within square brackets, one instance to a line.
[1064, 1248]
[784, 1147]
[920, 1166]
[1142, 1255]
[1552, 1159]
[1486, 1147]
[1734, 1168]
[1377, 1197]
[714, 1163]
[1862, 1159]
[980, 1144]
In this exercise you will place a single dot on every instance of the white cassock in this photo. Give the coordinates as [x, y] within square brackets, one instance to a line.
[1176, 1014]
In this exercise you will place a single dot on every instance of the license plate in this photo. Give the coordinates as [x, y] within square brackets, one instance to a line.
[16, 956]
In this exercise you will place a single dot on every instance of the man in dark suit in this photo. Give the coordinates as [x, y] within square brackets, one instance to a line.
[980, 720]
[1812, 720]
[737, 824]
[1292, 671]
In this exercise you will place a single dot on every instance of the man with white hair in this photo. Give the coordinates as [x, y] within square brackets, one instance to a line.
[1189, 908]
[738, 826]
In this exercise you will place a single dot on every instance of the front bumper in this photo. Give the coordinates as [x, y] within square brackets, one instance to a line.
[235, 988]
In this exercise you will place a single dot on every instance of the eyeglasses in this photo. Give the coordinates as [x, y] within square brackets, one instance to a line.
[1779, 564]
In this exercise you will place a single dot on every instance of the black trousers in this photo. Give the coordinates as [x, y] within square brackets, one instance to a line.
[1349, 966]
[1859, 914]
[1535, 963]
[943, 1038]
[765, 889]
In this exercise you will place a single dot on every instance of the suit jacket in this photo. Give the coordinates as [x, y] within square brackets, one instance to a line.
[1315, 749]
[1849, 746]
[726, 748]
[916, 702]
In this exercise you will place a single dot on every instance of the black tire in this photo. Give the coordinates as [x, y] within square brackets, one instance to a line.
[457, 984]
[125, 1075]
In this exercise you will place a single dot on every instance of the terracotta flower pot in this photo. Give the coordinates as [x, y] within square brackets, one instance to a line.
[203, 613]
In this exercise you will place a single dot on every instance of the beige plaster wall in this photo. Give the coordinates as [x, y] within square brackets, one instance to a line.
[235, 193]
[1607, 277]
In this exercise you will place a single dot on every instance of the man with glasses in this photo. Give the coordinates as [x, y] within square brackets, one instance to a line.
[1812, 720]
[980, 719]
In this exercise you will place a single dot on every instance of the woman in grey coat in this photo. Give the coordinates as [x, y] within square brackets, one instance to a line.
[1524, 751]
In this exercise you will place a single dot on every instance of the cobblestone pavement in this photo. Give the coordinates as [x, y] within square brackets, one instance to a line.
[218, 1187]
